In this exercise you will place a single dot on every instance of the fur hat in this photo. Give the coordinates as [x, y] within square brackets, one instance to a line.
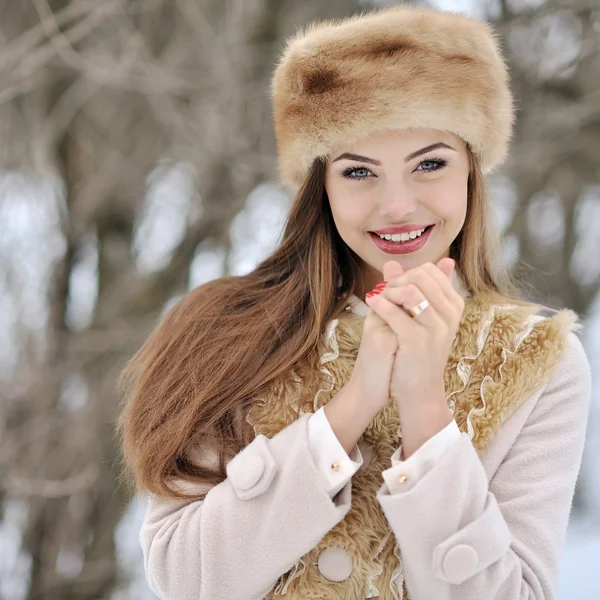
[397, 68]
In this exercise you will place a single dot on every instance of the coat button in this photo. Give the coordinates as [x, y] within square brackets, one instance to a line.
[460, 563]
[249, 472]
[335, 564]
[367, 452]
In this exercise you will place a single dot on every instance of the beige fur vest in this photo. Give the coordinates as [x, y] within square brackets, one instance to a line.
[501, 354]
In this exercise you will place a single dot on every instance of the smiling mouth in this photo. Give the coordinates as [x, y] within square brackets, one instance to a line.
[400, 247]
[399, 241]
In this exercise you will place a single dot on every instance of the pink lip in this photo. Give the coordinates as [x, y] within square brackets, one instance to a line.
[405, 248]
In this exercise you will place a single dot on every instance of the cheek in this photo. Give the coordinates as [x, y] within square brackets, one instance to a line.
[451, 200]
[350, 210]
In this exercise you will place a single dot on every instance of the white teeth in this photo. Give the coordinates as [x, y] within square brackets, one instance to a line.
[401, 237]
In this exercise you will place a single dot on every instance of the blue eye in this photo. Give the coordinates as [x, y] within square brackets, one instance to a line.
[351, 173]
[437, 164]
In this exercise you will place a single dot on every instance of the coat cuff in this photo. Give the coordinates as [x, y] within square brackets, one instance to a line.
[404, 474]
[329, 456]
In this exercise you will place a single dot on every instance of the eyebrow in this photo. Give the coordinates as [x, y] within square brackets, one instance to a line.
[373, 161]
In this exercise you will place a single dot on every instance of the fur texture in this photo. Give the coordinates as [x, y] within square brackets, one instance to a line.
[504, 373]
[398, 68]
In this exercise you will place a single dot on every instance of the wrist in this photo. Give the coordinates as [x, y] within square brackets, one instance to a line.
[428, 398]
[352, 403]
[421, 425]
[348, 416]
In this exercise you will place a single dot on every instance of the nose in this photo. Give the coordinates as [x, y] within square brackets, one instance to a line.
[398, 202]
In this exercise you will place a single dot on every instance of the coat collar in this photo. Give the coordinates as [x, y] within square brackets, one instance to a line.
[358, 306]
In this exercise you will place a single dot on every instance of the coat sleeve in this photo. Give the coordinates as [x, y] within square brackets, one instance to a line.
[326, 450]
[463, 537]
[273, 508]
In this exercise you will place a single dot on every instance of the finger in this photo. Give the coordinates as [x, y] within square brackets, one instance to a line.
[409, 296]
[402, 324]
[373, 321]
[446, 266]
[443, 282]
[429, 288]
[392, 269]
[445, 285]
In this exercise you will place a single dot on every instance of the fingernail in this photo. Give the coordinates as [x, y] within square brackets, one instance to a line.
[380, 285]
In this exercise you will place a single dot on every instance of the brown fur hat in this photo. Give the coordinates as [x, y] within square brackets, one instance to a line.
[397, 68]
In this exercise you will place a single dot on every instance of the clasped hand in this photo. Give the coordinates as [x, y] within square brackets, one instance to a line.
[424, 342]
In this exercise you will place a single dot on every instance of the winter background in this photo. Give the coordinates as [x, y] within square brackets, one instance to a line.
[58, 358]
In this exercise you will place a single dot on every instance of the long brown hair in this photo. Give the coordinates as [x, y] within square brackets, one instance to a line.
[197, 375]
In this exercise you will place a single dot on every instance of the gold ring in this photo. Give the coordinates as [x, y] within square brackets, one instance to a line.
[414, 311]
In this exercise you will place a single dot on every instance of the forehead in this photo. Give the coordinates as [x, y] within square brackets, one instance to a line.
[399, 140]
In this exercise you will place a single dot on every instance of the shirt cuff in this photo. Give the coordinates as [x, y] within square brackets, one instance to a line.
[404, 474]
[329, 455]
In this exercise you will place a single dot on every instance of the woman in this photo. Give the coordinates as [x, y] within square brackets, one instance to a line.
[303, 432]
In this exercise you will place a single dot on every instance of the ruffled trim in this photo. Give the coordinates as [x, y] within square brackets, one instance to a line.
[372, 589]
[254, 427]
[297, 380]
[397, 578]
[332, 354]
[477, 412]
[297, 570]
[464, 370]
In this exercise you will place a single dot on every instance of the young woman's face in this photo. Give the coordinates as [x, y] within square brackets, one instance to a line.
[399, 179]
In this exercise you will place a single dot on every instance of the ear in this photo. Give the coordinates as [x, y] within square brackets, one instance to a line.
[392, 269]
[446, 266]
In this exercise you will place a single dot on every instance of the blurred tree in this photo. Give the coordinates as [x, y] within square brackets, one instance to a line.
[97, 95]
[554, 54]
